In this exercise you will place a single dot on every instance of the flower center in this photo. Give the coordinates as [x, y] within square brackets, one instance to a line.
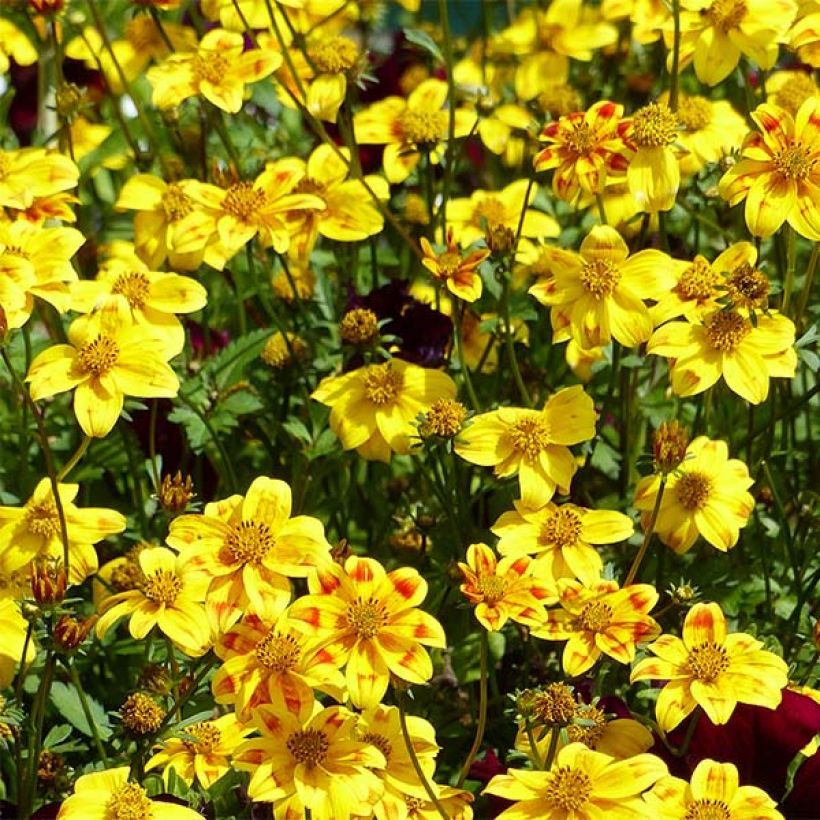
[279, 653]
[43, 519]
[654, 125]
[445, 418]
[334, 55]
[594, 617]
[98, 356]
[726, 329]
[382, 384]
[530, 436]
[555, 705]
[590, 736]
[706, 661]
[141, 715]
[366, 617]
[693, 490]
[580, 139]
[244, 201]
[249, 542]
[492, 587]
[143, 35]
[134, 287]
[380, 742]
[207, 738]
[561, 529]
[162, 587]
[600, 277]
[698, 281]
[491, 210]
[794, 162]
[725, 15]
[795, 92]
[175, 203]
[16, 250]
[210, 68]
[308, 185]
[448, 264]
[568, 789]
[423, 126]
[707, 810]
[748, 287]
[129, 802]
[359, 326]
[695, 113]
[309, 746]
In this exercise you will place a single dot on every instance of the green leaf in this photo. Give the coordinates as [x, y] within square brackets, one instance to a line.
[425, 42]
[606, 459]
[227, 366]
[298, 430]
[67, 702]
[56, 735]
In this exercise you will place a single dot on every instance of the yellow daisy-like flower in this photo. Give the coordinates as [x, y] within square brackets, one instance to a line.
[370, 620]
[219, 70]
[13, 631]
[779, 171]
[598, 294]
[455, 802]
[707, 495]
[15, 45]
[789, 89]
[600, 619]
[532, 443]
[505, 132]
[107, 358]
[727, 344]
[561, 538]
[248, 548]
[514, 588]
[804, 36]
[408, 127]
[108, 794]
[458, 272]
[714, 790]
[169, 597]
[710, 131]
[33, 531]
[374, 407]
[712, 669]
[28, 174]
[311, 759]
[205, 754]
[582, 785]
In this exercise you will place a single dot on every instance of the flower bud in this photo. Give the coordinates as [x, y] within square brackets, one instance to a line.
[669, 443]
[69, 633]
[175, 494]
[48, 581]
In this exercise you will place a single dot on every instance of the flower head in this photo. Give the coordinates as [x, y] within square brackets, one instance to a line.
[458, 272]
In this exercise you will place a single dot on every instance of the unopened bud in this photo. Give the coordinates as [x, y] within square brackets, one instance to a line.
[669, 443]
[176, 493]
[69, 633]
[48, 581]
[68, 99]
[499, 238]
[359, 327]
[141, 715]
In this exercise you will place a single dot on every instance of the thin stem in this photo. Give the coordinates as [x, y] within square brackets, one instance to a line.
[690, 733]
[152, 445]
[633, 570]
[536, 757]
[555, 734]
[808, 283]
[509, 344]
[447, 42]
[75, 458]
[791, 260]
[95, 733]
[673, 86]
[482, 710]
[599, 200]
[458, 310]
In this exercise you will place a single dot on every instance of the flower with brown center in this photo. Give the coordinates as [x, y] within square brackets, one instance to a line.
[359, 327]
[141, 715]
[282, 349]
[444, 419]
[458, 271]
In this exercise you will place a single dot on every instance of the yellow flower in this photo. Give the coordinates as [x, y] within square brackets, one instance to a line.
[169, 597]
[86, 137]
[789, 89]
[203, 753]
[515, 588]
[15, 45]
[335, 62]
[407, 127]
[712, 669]
[505, 132]
[107, 358]
[27, 174]
[600, 618]
[727, 344]
[714, 790]
[779, 171]
[582, 785]
[532, 443]
[371, 621]
[804, 36]
[455, 802]
[458, 272]
[561, 538]
[598, 294]
[311, 759]
[218, 71]
[108, 794]
[33, 530]
[374, 407]
[706, 495]
[248, 548]
[13, 629]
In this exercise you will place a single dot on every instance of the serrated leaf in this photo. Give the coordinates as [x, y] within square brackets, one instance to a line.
[56, 735]
[298, 430]
[227, 366]
[606, 459]
[425, 42]
[67, 702]
[240, 403]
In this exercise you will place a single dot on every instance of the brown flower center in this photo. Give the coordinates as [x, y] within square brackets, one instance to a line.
[568, 789]
[706, 661]
[279, 653]
[590, 736]
[244, 201]
[530, 436]
[43, 519]
[561, 529]
[600, 277]
[309, 747]
[423, 127]
[359, 326]
[134, 287]
[366, 617]
[161, 587]
[492, 588]
[382, 384]
[698, 281]
[794, 162]
[594, 617]
[695, 113]
[175, 203]
[140, 715]
[249, 542]
[380, 742]
[748, 287]
[655, 125]
[726, 329]
[794, 92]
[129, 802]
[693, 490]
[491, 209]
[726, 15]
[707, 810]
[444, 418]
[210, 68]
[334, 55]
[207, 737]
[98, 356]
[555, 705]
[580, 139]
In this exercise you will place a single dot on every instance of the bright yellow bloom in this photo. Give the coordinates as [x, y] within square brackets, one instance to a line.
[581, 146]
[779, 171]
[455, 802]
[27, 174]
[374, 407]
[804, 36]
[648, 17]
[203, 757]
[714, 791]
[470, 218]
[370, 619]
[712, 669]
[598, 294]
[582, 785]
[169, 597]
[107, 358]
[505, 132]
[789, 89]
[218, 71]
[600, 618]
[312, 760]
[108, 794]
[561, 538]
[458, 272]
[33, 531]
[153, 297]
[707, 495]
[248, 548]
[580, 360]
[727, 344]
[532, 443]
[86, 137]
[511, 589]
[13, 629]
[15, 45]
[408, 127]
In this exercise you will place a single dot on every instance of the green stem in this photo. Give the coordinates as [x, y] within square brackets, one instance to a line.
[808, 283]
[482, 709]
[601, 209]
[75, 458]
[633, 570]
[458, 310]
[536, 757]
[447, 42]
[152, 445]
[791, 260]
[690, 733]
[673, 86]
[75, 679]
[509, 344]
[555, 734]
